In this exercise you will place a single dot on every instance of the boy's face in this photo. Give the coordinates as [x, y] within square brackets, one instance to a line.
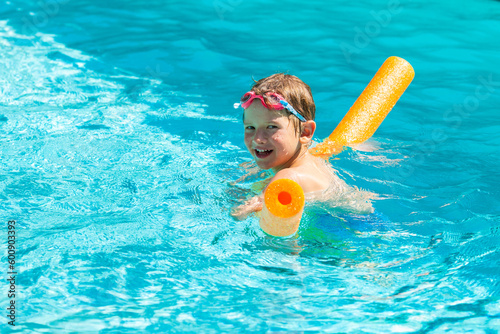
[270, 137]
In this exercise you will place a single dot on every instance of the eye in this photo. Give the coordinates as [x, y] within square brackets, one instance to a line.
[272, 127]
[249, 127]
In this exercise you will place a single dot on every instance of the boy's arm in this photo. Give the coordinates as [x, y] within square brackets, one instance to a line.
[255, 203]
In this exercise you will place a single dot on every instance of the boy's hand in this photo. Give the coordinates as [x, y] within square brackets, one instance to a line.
[252, 205]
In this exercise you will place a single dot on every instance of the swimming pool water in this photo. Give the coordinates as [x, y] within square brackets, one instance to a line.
[119, 147]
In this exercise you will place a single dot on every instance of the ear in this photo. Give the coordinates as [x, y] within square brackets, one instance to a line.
[307, 133]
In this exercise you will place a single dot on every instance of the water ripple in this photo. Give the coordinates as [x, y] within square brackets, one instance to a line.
[120, 164]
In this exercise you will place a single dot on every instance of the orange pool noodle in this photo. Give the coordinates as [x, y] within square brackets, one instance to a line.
[283, 206]
[371, 107]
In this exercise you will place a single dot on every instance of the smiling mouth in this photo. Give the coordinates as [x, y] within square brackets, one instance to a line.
[261, 154]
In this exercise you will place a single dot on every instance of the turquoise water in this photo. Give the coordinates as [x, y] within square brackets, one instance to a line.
[119, 145]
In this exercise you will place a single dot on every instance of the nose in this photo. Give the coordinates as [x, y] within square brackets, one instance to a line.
[260, 136]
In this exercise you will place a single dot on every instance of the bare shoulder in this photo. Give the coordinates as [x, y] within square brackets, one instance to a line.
[310, 177]
[287, 173]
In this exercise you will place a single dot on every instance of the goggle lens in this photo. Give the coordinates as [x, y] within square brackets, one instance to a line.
[272, 100]
[245, 97]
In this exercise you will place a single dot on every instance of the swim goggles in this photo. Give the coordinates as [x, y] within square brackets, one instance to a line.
[269, 100]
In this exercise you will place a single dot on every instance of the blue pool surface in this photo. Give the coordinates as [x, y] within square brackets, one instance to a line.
[120, 146]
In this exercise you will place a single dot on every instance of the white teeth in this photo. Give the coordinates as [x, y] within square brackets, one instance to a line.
[261, 151]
